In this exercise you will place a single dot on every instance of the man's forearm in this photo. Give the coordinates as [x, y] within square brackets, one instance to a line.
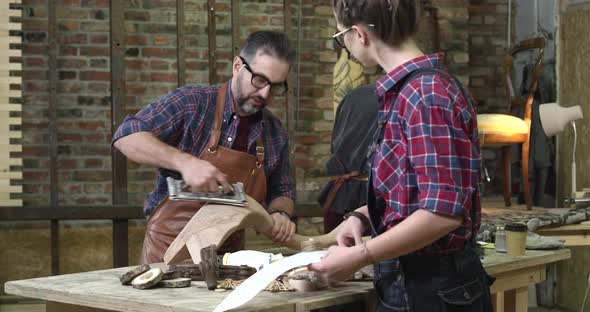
[282, 204]
[147, 149]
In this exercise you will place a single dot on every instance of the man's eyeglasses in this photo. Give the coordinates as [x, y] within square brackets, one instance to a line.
[339, 36]
[258, 81]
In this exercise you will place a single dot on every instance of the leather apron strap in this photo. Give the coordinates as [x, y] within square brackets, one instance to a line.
[338, 182]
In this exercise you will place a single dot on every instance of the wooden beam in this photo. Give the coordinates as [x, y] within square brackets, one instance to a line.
[180, 44]
[118, 113]
[28, 213]
[212, 42]
[235, 27]
[53, 134]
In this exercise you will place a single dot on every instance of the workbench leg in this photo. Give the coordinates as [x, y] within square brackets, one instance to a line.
[53, 306]
[517, 300]
[498, 301]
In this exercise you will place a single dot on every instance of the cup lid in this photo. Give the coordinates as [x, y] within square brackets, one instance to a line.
[515, 227]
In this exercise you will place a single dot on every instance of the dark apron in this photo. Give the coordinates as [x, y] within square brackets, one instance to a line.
[426, 283]
[170, 216]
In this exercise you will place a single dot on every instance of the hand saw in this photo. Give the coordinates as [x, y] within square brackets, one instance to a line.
[179, 190]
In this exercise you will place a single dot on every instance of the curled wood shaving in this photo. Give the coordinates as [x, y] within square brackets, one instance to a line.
[274, 286]
[228, 283]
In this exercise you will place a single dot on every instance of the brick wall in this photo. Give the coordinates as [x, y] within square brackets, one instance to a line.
[488, 21]
[471, 35]
[83, 108]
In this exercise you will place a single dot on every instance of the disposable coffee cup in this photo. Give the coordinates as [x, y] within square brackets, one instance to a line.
[515, 239]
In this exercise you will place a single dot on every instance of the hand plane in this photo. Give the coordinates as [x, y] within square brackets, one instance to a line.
[179, 190]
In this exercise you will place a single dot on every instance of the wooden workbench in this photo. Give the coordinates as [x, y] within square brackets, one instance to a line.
[573, 234]
[514, 275]
[101, 290]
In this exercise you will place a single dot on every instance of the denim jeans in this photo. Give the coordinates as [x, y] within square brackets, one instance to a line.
[442, 283]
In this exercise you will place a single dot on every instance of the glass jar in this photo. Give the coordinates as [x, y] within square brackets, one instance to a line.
[500, 240]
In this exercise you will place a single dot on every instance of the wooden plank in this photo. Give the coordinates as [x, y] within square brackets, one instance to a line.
[10, 53]
[118, 112]
[235, 27]
[10, 80]
[11, 202]
[11, 162]
[497, 263]
[9, 39]
[102, 290]
[518, 278]
[572, 234]
[52, 306]
[331, 299]
[10, 147]
[10, 189]
[517, 300]
[180, 44]
[16, 175]
[5, 89]
[212, 42]
[498, 301]
[10, 26]
[10, 107]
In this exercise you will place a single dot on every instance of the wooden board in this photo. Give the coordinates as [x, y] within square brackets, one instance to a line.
[497, 263]
[7, 136]
[102, 290]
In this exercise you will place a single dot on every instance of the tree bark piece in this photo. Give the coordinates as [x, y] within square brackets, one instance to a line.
[209, 266]
[193, 271]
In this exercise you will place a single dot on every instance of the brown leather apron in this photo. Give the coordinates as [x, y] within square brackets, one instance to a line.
[170, 216]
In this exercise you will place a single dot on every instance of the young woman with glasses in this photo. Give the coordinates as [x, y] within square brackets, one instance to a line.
[423, 207]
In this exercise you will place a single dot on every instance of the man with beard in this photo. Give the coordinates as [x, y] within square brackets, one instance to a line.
[213, 136]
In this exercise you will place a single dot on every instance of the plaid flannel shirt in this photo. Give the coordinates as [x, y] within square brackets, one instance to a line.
[430, 155]
[184, 118]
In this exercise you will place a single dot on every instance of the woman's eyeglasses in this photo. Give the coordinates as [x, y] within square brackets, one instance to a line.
[258, 81]
[339, 36]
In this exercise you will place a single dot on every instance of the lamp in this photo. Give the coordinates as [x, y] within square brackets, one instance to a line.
[553, 120]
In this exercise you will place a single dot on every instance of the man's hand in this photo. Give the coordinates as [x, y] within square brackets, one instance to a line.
[202, 176]
[282, 228]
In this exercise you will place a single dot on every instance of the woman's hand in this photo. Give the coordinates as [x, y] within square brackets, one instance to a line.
[351, 233]
[340, 263]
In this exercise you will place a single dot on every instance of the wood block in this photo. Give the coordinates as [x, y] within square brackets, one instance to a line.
[213, 224]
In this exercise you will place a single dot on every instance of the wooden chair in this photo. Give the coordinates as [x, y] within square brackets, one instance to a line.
[502, 130]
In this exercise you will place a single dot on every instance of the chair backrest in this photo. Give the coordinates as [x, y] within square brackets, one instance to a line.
[533, 45]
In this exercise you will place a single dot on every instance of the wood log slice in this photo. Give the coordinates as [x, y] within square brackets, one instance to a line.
[129, 276]
[175, 282]
[148, 279]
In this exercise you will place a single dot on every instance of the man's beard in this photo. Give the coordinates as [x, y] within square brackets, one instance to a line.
[249, 109]
[245, 106]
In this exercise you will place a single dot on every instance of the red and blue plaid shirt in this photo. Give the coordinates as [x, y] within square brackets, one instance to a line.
[430, 155]
[184, 118]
